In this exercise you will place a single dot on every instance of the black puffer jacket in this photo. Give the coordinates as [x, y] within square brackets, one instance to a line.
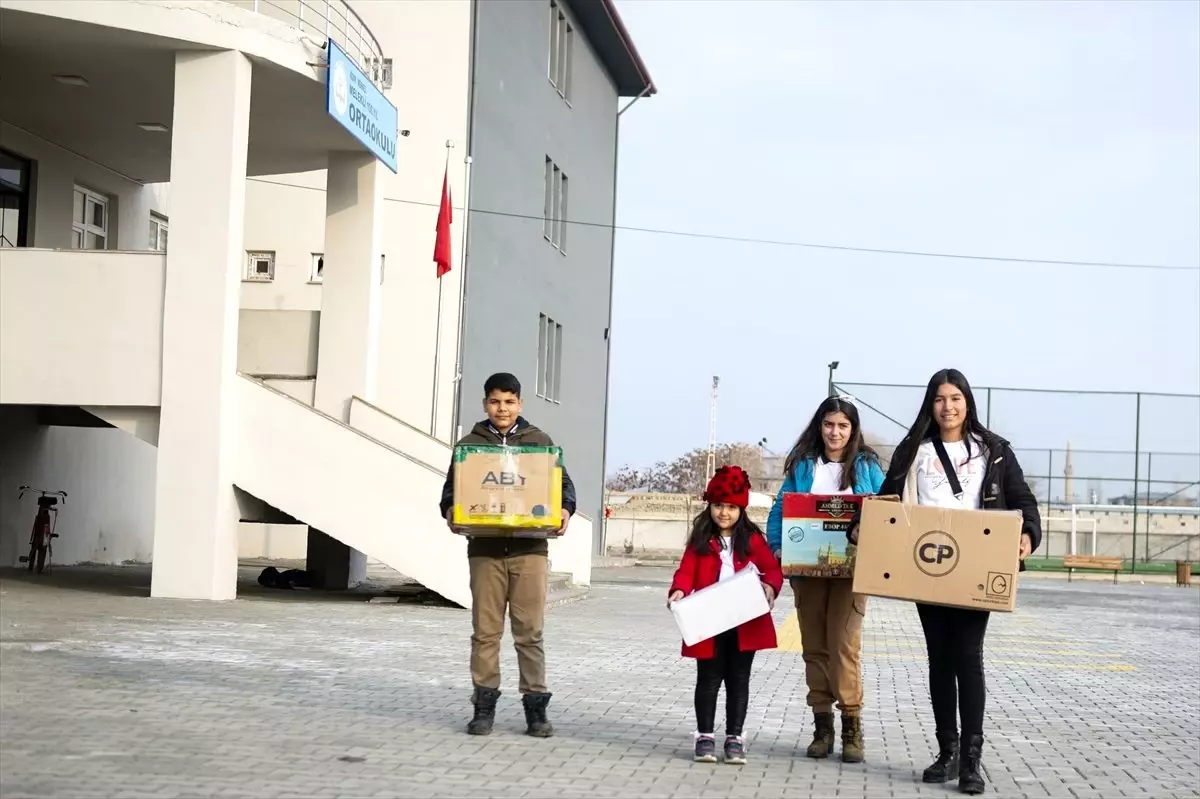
[520, 434]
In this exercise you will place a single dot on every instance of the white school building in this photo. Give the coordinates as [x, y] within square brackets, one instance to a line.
[220, 319]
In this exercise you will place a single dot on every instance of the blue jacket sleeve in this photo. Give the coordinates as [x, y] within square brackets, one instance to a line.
[775, 517]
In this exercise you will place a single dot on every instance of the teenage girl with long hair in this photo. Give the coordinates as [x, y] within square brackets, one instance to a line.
[950, 460]
[723, 542]
[830, 457]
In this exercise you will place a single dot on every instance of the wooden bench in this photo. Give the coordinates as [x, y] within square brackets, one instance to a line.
[1094, 562]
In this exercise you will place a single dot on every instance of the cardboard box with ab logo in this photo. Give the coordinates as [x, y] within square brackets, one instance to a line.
[961, 558]
[814, 535]
[507, 491]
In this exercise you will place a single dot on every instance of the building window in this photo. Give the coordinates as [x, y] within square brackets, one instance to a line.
[316, 272]
[158, 232]
[260, 266]
[89, 220]
[554, 222]
[562, 45]
[549, 373]
[14, 199]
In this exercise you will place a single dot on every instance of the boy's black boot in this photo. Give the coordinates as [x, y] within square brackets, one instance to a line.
[484, 700]
[536, 722]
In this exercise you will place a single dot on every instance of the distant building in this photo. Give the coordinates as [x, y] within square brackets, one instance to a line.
[1160, 498]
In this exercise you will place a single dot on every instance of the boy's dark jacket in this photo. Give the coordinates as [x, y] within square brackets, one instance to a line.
[521, 434]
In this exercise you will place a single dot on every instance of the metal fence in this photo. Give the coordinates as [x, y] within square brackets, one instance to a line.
[1134, 454]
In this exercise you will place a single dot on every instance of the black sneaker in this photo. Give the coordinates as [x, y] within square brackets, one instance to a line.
[706, 750]
[735, 751]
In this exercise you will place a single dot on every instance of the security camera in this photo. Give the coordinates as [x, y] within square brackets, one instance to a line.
[405, 133]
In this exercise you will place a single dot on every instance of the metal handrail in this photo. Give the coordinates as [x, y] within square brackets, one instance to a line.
[332, 19]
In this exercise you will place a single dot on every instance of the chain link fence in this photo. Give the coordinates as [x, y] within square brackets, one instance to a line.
[1121, 470]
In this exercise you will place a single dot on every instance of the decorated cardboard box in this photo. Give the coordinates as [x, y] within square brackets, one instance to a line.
[507, 491]
[814, 535]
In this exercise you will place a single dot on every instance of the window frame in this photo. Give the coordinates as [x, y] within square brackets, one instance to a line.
[252, 276]
[82, 227]
[549, 359]
[554, 206]
[159, 224]
[561, 50]
[20, 193]
[316, 269]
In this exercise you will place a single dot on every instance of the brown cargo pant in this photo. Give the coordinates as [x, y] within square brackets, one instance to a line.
[831, 619]
[518, 583]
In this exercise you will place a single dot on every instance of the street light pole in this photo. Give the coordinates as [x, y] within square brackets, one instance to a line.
[832, 366]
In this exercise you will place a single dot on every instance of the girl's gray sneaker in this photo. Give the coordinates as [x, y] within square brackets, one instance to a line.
[706, 749]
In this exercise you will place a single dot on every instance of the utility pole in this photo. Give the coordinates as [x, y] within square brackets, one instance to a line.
[711, 466]
[832, 367]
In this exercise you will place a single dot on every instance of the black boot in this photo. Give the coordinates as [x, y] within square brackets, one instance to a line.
[946, 765]
[485, 711]
[535, 715]
[969, 779]
[822, 743]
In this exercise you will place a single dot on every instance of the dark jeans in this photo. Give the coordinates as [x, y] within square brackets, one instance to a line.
[732, 667]
[954, 641]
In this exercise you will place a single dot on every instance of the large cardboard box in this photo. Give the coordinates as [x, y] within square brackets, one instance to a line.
[721, 606]
[961, 558]
[507, 491]
[814, 535]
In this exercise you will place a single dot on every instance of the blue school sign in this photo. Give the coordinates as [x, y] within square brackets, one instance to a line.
[360, 107]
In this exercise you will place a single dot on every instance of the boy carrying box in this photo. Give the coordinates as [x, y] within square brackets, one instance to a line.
[508, 573]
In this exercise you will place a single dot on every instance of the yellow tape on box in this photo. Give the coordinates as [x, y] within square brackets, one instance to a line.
[507, 491]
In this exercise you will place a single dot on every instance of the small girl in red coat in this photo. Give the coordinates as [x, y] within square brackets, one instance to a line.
[723, 542]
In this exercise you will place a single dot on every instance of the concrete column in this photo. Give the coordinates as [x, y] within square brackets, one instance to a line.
[196, 515]
[348, 347]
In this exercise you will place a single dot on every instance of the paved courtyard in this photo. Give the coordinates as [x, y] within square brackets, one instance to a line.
[1094, 691]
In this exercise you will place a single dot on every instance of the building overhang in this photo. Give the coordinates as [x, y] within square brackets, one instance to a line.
[614, 46]
[119, 115]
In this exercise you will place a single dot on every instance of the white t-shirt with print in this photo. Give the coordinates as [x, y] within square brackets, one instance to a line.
[932, 486]
[827, 478]
[727, 569]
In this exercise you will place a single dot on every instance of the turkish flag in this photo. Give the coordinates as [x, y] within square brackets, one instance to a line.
[441, 246]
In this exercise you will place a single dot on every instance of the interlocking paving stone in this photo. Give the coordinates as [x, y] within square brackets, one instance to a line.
[1094, 691]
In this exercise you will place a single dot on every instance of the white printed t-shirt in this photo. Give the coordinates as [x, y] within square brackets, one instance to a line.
[932, 486]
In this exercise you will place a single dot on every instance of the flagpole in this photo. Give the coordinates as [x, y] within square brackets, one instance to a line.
[437, 340]
[455, 423]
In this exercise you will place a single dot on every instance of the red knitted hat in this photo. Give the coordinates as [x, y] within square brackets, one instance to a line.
[730, 485]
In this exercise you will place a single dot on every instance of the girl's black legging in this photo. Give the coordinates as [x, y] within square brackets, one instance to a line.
[731, 666]
[954, 641]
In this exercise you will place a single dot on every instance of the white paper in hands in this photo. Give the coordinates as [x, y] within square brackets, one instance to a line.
[721, 606]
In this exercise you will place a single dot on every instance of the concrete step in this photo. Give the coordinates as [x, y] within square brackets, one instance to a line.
[561, 591]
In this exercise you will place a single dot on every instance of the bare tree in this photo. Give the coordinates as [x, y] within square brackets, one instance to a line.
[686, 474]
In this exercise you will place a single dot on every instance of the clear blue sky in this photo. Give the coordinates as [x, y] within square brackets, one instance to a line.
[1049, 130]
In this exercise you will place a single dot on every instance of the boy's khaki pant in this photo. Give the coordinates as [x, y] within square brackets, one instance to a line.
[518, 583]
[831, 618]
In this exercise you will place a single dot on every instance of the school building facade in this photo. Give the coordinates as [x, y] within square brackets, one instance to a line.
[220, 319]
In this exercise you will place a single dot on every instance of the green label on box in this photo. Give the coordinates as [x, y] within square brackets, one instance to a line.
[461, 451]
